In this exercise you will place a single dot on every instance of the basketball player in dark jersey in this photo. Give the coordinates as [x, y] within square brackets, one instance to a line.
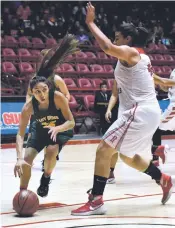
[58, 84]
[56, 81]
[53, 120]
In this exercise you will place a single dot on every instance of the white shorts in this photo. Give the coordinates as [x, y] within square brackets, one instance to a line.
[168, 118]
[132, 132]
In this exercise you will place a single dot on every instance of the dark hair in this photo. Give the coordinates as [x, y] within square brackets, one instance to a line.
[139, 34]
[57, 55]
[103, 83]
[35, 80]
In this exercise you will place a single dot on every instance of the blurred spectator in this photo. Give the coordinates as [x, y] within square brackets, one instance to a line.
[100, 105]
[158, 32]
[23, 11]
[62, 17]
[172, 33]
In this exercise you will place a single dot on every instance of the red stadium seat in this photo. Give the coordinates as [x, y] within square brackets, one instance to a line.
[51, 42]
[37, 43]
[84, 83]
[9, 54]
[89, 101]
[80, 57]
[26, 69]
[162, 48]
[24, 42]
[153, 47]
[157, 70]
[89, 104]
[91, 57]
[11, 77]
[110, 83]
[36, 55]
[166, 70]
[103, 57]
[10, 41]
[66, 67]
[158, 59]
[96, 68]
[82, 68]
[151, 57]
[108, 68]
[70, 83]
[24, 54]
[96, 82]
[9, 68]
[73, 103]
[169, 60]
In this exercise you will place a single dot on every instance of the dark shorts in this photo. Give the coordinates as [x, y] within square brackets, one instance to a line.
[40, 138]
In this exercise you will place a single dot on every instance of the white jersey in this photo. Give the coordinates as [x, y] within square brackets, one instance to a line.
[171, 91]
[135, 84]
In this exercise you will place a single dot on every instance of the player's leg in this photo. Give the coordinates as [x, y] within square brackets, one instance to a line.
[49, 164]
[111, 178]
[29, 156]
[42, 163]
[137, 162]
[95, 204]
[51, 154]
[157, 149]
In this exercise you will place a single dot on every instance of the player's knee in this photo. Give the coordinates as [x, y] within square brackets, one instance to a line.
[51, 152]
[28, 159]
[104, 151]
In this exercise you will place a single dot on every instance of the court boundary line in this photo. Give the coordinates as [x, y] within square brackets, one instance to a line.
[78, 204]
[84, 218]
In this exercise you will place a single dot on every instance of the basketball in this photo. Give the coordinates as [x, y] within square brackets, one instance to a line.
[25, 203]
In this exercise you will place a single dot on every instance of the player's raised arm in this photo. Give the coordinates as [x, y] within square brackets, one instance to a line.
[123, 52]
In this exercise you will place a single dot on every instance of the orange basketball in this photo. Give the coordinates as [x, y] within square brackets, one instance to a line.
[25, 203]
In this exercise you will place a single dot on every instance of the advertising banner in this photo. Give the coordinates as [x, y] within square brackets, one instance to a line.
[11, 113]
[10, 116]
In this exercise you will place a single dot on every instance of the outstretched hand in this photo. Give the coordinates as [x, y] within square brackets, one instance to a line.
[53, 131]
[90, 14]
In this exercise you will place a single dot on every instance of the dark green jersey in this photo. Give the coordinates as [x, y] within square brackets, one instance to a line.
[48, 117]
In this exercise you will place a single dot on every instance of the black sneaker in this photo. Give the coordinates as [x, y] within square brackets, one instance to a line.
[44, 186]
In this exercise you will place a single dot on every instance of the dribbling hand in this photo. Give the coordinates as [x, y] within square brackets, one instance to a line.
[18, 171]
[53, 131]
[108, 116]
[90, 14]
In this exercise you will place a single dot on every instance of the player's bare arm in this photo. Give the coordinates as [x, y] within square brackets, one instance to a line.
[25, 117]
[125, 53]
[60, 84]
[61, 102]
[165, 82]
[112, 101]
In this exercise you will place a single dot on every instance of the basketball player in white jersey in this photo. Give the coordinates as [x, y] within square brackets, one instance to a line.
[168, 117]
[138, 117]
[157, 149]
[167, 121]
